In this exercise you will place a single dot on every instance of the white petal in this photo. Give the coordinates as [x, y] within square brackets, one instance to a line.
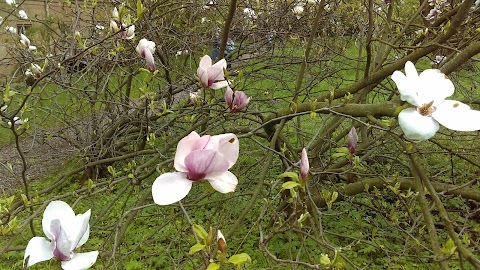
[406, 88]
[417, 127]
[222, 64]
[218, 85]
[456, 115]
[80, 261]
[434, 86]
[170, 188]
[56, 210]
[228, 147]
[411, 71]
[80, 229]
[223, 182]
[39, 250]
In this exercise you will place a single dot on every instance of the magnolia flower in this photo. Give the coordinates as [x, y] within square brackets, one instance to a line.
[197, 158]
[36, 70]
[17, 121]
[352, 140]
[66, 233]
[129, 33]
[24, 40]
[434, 13]
[439, 59]
[11, 29]
[236, 101]
[221, 243]
[304, 165]
[145, 49]
[194, 96]
[211, 76]
[249, 13]
[297, 10]
[427, 93]
[22, 14]
[11, 2]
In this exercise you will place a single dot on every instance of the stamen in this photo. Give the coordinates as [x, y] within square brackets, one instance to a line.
[426, 109]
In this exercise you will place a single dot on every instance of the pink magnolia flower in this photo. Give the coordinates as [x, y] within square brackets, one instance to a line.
[236, 101]
[211, 76]
[427, 92]
[352, 139]
[128, 32]
[145, 49]
[198, 158]
[304, 165]
[66, 233]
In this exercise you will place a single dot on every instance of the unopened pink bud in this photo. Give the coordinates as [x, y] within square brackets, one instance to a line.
[304, 165]
[352, 140]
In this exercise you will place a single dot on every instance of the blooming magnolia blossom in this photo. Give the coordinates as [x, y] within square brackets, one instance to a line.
[298, 10]
[11, 29]
[22, 14]
[427, 93]
[11, 2]
[26, 42]
[128, 32]
[206, 157]
[211, 76]
[66, 233]
[249, 13]
[145, 49]
[352, 140]
[304, 165]
[236, 101]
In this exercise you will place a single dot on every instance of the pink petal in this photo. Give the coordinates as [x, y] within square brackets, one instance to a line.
[215, 73]
[229, 96]
[39, 250]
[184, 147]
[61, 244]
[228, 147]
[170, 188]
[456, 115]
[304, 164]
[205, 62]
[223, 182]
[56, 210]
[203, 162]
[80, 261]
[222, 64]
[149, 59]
[206, 142]
[416, 126]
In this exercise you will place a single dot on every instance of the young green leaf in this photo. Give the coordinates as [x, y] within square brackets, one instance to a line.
[240, 259]
[196, 248]
[200, 232]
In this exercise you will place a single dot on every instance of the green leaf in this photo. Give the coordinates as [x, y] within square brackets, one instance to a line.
[324, 259]
[196, 248]
[213, 266]
[200, 232]
[338, 155]
[240, 259]
[292, 175]
[289, 185]
[140, 9]
[449, 247]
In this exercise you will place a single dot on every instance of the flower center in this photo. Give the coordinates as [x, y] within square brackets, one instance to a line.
[426, 109]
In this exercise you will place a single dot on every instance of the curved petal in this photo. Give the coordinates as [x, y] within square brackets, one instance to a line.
[205, 62]
[80, 261]
[434, 86]
[203, 162]
[222, 64]
[228, 147]
[184, 147]
[456, 115]
[218, 85]
[206, 142]
[39, 249]
[223, 182]
[229, 96]
[215, 73]
[149, 59]
[170, 188]
[411, 71]
[417, 127]
[61, 244]
[80, 229]
[56, 210]
[407, 90]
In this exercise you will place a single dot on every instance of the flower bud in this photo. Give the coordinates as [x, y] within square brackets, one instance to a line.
[304, 165]
[352, 140]
[221, 244]
[236, 101]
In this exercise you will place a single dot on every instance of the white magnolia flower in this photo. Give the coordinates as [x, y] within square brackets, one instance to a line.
[249, 13]
[22, 14]
[298, 10]
[427, 93]
[11, 29]
[11, 2]
[66, 232]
